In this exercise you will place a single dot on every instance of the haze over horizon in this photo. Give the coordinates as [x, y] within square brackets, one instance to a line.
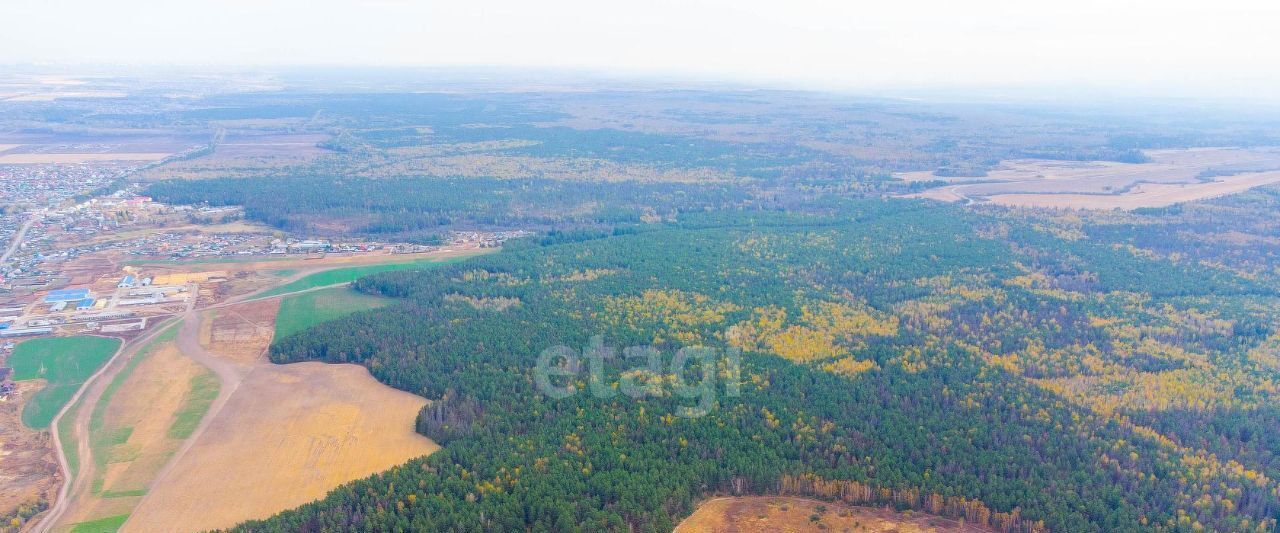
[1175, 49]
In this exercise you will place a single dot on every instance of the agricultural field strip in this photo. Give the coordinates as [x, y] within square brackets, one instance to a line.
[1196, 174]
[59, 506]
[59, 362]
[157, 506]
[228, 373]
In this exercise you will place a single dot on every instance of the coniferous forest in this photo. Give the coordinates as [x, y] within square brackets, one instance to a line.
[1021, 371]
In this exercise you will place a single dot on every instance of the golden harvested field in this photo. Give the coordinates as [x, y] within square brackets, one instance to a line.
[769, 514]
[1171, 177]
[133, 440]
[288, 435]
[1144, 195]
[41, 159]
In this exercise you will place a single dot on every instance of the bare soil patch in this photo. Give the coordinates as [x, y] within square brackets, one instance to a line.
[241, 333]
[28, 467]
[768, 514]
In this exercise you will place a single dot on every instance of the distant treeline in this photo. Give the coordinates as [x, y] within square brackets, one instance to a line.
[417, 207]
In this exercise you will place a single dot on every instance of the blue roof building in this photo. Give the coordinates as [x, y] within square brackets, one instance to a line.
[66, 295]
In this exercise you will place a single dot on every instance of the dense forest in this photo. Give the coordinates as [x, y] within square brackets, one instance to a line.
[416, 209]
[1023, 371]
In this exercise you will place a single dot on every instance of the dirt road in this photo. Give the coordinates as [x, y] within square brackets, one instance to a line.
[17, 239]
[230, 374]
[90, 393]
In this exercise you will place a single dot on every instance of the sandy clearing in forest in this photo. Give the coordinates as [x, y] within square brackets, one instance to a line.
[750, 514]
[45, 158]
[288, 435]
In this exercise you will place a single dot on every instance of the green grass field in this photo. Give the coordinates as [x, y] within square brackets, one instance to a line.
[65, 363]
[204, 389]
[109, 524]
[301, 311]
[67, 439]
[349, 274]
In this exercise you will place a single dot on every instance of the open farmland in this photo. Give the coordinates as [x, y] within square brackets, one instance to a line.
[141, 419]
[245, 152]
[301, 311]
[288, 435]
[761, 514]
[1172, 176]
[240, 333]
[349, 274]
[64, 363]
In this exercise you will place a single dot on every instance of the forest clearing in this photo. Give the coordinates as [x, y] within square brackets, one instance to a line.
[1170, 177]
[761, 514]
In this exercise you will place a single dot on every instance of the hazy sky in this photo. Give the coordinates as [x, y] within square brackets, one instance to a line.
[1223, 47]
